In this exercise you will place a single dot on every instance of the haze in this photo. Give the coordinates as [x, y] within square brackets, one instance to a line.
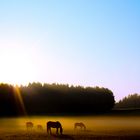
[79, 42]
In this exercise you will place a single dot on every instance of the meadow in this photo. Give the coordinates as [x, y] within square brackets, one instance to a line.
[97, 127]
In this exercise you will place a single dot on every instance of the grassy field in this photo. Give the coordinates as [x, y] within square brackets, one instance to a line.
[98, 127]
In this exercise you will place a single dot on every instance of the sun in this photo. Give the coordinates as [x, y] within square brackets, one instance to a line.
[17, 66]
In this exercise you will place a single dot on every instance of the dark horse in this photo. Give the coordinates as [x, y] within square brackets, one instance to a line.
[56, 125]
[80, 124]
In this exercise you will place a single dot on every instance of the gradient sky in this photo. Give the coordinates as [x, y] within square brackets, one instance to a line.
[79, 42]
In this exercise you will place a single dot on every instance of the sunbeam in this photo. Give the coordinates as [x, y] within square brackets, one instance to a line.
[19, 101]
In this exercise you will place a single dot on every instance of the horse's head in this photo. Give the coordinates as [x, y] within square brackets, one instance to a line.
[61, 130]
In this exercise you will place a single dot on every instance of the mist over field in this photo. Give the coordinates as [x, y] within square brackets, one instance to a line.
[69, 69]
[100, 127]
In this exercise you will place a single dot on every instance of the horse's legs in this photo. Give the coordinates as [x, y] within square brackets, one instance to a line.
[48, 130]
[75, 127]
[56, 130]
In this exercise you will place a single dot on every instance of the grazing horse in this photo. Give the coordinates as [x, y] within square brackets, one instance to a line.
[29, 125]
[39, 127]
[56, 125]
[81, 125]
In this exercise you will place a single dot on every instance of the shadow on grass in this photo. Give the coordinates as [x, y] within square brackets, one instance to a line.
[63, 136]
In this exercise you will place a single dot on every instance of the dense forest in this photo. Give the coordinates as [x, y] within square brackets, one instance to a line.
[43, 99]
[132, 101]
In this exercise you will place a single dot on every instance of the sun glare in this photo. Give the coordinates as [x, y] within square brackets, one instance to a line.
[19, 101]
[17, 66]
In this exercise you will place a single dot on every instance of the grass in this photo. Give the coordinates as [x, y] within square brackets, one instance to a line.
[98, 127]
[69, 136]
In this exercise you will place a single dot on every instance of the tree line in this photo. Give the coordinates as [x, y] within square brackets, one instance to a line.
[131, 101]
[43, 99]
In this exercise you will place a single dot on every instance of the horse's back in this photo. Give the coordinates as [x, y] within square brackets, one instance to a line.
[53, 124]
[29, 124]
[78, 124]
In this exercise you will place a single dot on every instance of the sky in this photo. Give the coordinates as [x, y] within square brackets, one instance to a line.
[76, 42]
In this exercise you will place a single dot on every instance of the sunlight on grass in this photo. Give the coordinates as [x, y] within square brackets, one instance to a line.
[95, 125]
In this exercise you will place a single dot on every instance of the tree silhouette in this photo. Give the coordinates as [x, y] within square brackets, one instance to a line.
[41, 99]
[131, 101]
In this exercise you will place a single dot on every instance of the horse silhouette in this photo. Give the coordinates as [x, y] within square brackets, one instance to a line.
[29, 125]
[56, 125]
[39, 127]
[81, 125]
